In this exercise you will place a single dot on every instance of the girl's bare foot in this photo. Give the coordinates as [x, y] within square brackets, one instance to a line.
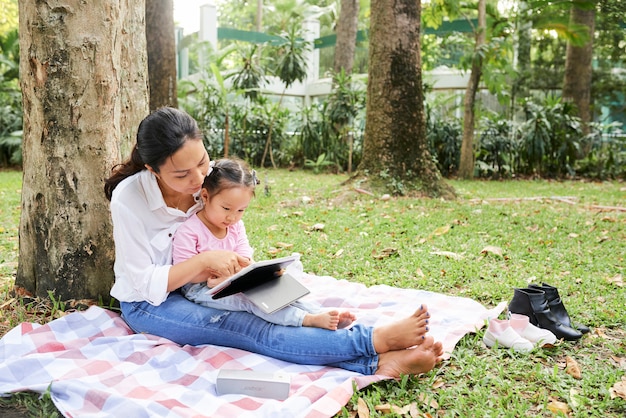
[327, 320]
[345, 319]
[420, 359]
[402, 334]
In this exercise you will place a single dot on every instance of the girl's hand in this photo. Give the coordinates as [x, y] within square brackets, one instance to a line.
[221, 264]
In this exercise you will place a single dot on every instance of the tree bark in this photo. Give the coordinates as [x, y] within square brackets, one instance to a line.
[346, 36]
[578, 67]
[466, 166]
[161, 44]
[395, 142]
[83, 78]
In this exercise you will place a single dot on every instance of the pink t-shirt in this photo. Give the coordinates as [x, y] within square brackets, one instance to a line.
[193, 237]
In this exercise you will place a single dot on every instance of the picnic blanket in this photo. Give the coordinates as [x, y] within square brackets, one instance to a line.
[92, 364]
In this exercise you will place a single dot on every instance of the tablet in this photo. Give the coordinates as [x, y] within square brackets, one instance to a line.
[252, 276]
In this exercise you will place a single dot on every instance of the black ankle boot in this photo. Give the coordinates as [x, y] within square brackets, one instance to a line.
[534, 304]
[557, 308]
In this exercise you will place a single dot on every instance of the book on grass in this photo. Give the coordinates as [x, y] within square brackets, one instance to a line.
[265, 283]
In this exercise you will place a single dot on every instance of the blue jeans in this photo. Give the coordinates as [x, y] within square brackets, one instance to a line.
[185, 322]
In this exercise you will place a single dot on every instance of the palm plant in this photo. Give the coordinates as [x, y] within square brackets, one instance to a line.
[291, 67]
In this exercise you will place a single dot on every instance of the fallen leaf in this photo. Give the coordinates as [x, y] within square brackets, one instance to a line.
[387, 409]
[448, 254]
[385, 253]
[362, 409]
[283, 245]
[573, 235]
[619, 389]
[573, 397]
[419, 273]
[338, 253]
[273, 251]
[438, 383]
[492, 249]
[442, 230]
[431, 402]
[572, 368]
[317, 227]
[617, 280]
[558, 406]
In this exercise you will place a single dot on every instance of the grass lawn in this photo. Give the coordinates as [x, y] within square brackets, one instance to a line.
[494, 237]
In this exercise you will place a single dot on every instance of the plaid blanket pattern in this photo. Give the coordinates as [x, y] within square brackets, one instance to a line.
[94, 365]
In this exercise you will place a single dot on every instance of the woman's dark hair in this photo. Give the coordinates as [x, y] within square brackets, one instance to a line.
[227, 173]
[160, 135]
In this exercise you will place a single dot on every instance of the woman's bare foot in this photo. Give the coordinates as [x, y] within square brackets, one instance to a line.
[327, 320]
[345, 319]
[420, 359]
[402, 334]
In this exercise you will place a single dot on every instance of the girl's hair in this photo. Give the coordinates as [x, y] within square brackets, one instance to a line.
[159, 136]
[227, 173]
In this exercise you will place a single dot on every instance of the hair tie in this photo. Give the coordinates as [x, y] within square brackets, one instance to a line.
[211, 166]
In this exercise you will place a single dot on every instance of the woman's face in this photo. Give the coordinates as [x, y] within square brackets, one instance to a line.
[186, 169]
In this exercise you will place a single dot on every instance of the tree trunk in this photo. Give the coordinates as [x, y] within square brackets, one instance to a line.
[395, 132]
[346, 36]
[83, 78]
[466, 166]
[161, 44]
[578, 67]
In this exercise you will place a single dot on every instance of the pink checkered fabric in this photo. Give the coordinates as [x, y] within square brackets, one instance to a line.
[94, 365]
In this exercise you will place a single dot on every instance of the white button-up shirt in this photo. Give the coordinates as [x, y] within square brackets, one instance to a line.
[143, 227]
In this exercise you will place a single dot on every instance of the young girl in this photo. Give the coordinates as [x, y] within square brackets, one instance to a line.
[226, 193]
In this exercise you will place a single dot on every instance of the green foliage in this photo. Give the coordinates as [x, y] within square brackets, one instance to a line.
[606, 153]
[550, 138]
[291, 66]
[496, 146]
[10, 101]
[444, 135]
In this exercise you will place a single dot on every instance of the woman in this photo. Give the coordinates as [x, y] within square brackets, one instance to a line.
[152, 194]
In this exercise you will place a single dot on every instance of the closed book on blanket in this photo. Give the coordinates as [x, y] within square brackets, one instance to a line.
[265, 283]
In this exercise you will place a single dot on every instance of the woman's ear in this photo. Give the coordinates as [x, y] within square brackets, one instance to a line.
[150, 169]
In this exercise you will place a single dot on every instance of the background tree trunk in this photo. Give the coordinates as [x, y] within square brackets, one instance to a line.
[346, 36]
[578, 67]
[83, 79]
[161, 44]
[395, 130]
[466, 166]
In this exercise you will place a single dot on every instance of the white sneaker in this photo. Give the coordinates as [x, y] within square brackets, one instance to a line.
[535, 335]
[500, 332]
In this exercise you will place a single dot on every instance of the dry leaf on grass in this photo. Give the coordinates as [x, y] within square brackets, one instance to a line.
[362, 409]
[385, 253]
[558, 406]
[492, 249]
[442, 230]
[387, 409]
[430, 402]
[448, 254]
[572, 368]
[318, 227]
[619, 389]
[283, 245]
[617, 280]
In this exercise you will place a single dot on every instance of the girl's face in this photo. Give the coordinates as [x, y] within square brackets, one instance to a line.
[185, 170]
[225, 208]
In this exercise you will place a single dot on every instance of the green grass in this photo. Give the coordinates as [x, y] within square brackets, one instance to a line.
[438, 245]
